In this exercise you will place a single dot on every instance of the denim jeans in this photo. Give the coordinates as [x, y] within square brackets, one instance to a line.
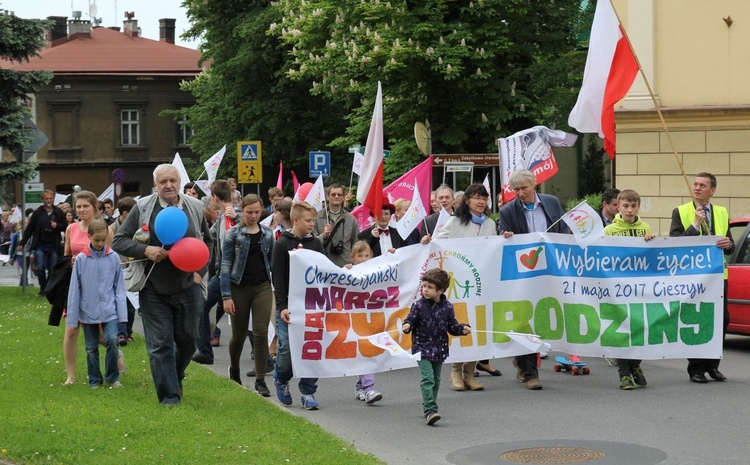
[170, 327]
[91, 336]
[283, 372]
[125, 328]
[203, 342]
[46, 257]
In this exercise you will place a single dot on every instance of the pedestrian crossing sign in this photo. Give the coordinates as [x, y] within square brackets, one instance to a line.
[249, 162]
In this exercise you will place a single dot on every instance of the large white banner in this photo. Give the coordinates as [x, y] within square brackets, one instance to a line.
[620, 297]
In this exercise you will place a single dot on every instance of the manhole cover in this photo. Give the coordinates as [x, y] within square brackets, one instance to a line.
[552, 455]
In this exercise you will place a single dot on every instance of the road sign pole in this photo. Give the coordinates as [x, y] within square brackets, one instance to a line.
[24, 265]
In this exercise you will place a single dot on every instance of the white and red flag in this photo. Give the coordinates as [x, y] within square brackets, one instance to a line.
[370, 189]
[610, 70]
[401, 188]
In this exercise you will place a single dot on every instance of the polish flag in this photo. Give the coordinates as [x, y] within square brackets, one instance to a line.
[370, 189]
[610, 70]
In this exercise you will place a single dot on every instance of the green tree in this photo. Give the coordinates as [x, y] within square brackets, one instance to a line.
[477, 70]
[20, 39]
[592, 172]
[245, 95]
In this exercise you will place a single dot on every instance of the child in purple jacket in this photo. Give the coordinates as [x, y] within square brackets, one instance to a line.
[432, 319]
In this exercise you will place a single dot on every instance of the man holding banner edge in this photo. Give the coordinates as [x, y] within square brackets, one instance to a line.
[697, 218]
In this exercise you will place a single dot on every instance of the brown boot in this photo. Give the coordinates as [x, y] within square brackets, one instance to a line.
[457, 381]
[469, 380]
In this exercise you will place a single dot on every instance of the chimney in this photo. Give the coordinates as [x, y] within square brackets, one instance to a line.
[166, 30]
[59, 29]
[130, 25]
[82, 27]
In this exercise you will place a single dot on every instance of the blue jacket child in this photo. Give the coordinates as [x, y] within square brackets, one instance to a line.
[97, 299]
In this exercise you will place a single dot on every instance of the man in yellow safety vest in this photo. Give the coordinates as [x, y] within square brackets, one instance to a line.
[701, 217]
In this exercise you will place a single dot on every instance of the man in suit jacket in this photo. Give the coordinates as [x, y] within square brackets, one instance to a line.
[380, 236]
[444, 196]
[697, 218]
[529, 212]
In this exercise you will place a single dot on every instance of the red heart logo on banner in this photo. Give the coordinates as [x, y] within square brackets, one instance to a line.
[529, 260]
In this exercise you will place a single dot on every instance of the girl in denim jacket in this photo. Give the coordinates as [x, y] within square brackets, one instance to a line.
[246, 287]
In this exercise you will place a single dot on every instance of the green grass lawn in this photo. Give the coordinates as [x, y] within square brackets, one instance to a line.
[218, 422]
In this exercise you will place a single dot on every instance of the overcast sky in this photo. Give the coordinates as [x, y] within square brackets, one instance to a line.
[147, 12]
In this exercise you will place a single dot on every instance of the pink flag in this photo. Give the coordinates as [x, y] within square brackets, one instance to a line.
[401, 188]
[610, 70]
[370, 188]
[279, 182]
[295, 183]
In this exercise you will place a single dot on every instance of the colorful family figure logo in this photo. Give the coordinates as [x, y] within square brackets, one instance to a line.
[585, 223]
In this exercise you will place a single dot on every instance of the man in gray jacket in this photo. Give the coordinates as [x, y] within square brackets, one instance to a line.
[529, 212]
[171, 299]
[336, 228]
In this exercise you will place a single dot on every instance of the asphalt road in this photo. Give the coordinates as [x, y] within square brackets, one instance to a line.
[671, 422]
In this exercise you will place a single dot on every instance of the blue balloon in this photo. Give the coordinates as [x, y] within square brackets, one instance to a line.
[170, 225]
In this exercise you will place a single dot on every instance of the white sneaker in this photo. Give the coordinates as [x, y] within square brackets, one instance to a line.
[115, 385]
[359, 394]
[372, 396]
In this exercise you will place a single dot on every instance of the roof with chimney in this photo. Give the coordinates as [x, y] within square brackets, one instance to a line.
[105, 51]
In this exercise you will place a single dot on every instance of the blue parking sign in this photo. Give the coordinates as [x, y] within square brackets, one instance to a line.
[320, 164]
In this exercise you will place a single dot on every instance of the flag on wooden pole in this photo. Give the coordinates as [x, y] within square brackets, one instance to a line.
[610, 70]
[370, 189]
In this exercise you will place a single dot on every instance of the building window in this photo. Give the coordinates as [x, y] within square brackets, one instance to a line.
[184, 132]
[130, 123]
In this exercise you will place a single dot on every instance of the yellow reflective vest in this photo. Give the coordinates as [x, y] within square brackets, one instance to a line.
[719, 218]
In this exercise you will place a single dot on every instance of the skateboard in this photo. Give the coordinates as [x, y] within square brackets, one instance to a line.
[575, 366]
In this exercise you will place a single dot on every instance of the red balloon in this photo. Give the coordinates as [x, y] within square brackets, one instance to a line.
[189, 254]
[304, 189]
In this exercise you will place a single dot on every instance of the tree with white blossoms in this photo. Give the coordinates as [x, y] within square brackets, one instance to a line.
[477, 70]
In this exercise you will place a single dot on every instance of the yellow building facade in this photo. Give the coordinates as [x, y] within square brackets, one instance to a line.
[696, 57]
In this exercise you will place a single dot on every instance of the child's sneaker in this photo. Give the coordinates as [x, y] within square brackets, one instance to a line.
[431, 418]
[638, 377]
[309, 402]
[282, 392]
[121, 362]
[627, 383]
[359, 394]
[115, 385]
[372, 396]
